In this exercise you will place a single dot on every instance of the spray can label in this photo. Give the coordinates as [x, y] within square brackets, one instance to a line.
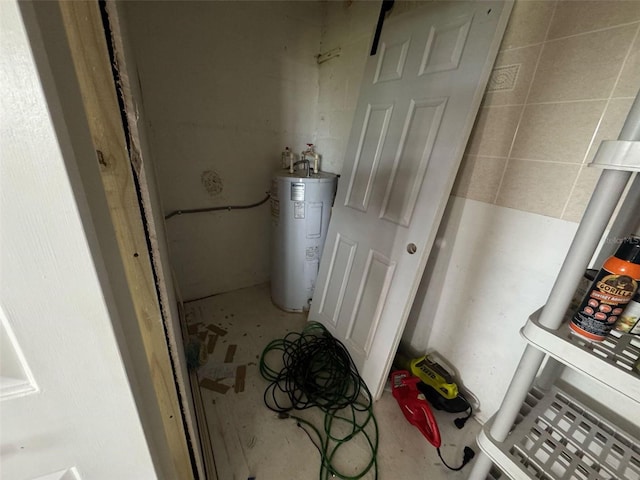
[629, 321]
[604, 303]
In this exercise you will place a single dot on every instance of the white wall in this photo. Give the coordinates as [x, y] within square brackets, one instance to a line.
[490, 268]
[348, 27]
[226, 86]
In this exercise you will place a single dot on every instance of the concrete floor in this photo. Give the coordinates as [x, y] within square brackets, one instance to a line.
[250, 441]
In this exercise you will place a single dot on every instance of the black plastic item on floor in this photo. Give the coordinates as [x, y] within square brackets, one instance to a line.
[455, 405]
[437, 401]
[316, 370]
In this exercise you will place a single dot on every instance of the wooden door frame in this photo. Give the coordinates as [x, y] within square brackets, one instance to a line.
[70, 51]
[140, 152]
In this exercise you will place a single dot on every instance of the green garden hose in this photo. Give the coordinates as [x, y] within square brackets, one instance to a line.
[316, 370]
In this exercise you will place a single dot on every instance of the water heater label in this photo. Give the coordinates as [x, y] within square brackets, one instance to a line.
[312, 253]
[298, 209]
[297, 192]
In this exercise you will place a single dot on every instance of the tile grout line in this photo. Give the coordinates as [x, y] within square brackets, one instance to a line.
[613, 88]
[529, 45]
[486, 156]
[603, 99]
[604, 112]
[540, 160]
[598, 30]
[533, 78]
[572, 189]
[526, 159]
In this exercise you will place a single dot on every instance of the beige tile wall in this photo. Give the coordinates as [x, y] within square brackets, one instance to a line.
[564, 81]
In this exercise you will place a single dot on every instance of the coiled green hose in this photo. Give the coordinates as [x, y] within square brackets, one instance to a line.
[316, 370]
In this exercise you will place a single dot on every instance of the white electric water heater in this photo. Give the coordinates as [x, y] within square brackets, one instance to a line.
[300, 211]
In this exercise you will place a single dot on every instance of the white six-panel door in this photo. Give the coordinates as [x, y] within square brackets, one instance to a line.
[67, 411]
[418, 101]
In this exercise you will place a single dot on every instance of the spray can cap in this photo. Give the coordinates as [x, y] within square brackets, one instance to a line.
[629, 249]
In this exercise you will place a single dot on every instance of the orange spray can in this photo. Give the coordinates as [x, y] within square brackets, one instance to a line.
[612, 289]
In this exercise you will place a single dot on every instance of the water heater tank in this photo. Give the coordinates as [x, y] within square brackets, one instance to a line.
[300, 210]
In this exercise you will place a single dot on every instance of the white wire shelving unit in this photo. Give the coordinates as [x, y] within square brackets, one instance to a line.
[561, 437]
[546, 429]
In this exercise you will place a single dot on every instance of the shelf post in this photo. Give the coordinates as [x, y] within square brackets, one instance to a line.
[627, 221]
[516, 393]
[603, 202]
[481, 467]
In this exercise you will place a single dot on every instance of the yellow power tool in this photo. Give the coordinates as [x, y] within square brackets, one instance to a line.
[434, 375]
[437, 385]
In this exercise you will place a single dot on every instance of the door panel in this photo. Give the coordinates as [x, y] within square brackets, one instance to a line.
[367, 157]
[16, 379]
[378, 272]
[339, 270]
[413, 153]
[69, 474]
[393, 57]
[418, 101]
[444, 46]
